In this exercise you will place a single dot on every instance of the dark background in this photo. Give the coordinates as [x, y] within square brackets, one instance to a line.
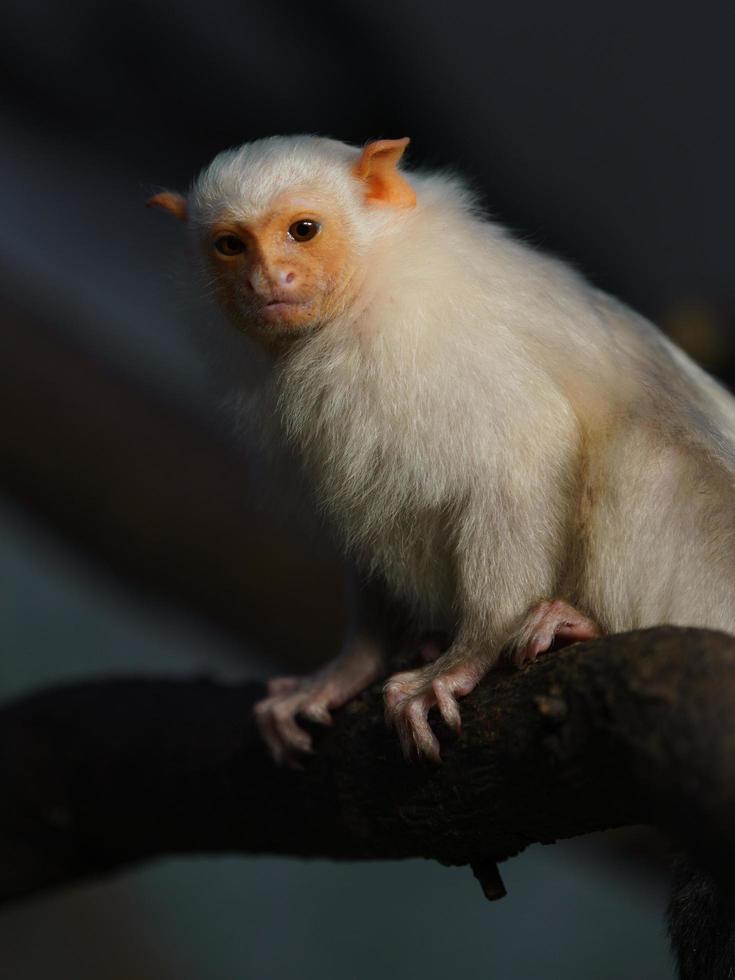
[136, 531]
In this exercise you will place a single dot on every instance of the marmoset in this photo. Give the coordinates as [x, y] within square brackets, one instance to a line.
[516, 455]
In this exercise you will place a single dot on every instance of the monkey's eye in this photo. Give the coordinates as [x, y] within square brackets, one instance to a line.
[229, 245]
[304, 230]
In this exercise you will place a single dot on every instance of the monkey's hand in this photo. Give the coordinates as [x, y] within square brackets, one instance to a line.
[410, 695]
[312, 697]
[550, 624]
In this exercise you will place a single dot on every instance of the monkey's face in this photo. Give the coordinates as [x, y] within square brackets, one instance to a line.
[286, 271]
[289, 225]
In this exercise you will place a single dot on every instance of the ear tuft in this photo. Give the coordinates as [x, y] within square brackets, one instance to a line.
[377, 168]
[169, 201]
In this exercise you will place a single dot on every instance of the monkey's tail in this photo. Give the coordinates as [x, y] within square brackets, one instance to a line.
[701, 919]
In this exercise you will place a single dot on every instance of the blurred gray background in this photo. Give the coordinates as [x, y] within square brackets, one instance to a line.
[137, 535]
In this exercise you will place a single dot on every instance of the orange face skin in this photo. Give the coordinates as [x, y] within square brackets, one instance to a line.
[278, 288]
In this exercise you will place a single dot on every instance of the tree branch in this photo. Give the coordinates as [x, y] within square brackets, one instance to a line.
[636, 728]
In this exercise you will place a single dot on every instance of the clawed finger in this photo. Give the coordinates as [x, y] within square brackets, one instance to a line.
[395, 692]
[576, 632]
[317, 711]
[415, 734]
[540, 642]
[289, 731]
[447, 705]
[276, 721]
[264, 720]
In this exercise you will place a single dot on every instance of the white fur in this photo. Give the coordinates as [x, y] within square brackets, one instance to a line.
[242, 182]
[485, 428]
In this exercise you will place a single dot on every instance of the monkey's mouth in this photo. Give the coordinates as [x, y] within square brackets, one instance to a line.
[280, 303]
[281, 309]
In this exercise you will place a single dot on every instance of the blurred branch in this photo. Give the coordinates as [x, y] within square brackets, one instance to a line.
[636, 728]
[156, 496]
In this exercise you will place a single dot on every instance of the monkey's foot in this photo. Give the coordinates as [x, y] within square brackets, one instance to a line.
[410, 695]
[551, 624]
[313, 698]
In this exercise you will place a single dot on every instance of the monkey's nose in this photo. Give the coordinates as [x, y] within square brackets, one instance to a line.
[267, 281]
[286, 277]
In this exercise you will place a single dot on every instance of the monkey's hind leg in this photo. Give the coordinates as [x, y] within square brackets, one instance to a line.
[410, 695]
[547, 624]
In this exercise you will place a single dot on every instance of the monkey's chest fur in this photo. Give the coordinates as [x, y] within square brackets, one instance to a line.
[392, 523]
[383, 475]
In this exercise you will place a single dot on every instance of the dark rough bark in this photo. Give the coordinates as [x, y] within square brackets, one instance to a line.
[637, 728]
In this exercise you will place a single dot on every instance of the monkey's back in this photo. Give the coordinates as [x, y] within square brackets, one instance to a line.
[490, 389]
[659, 501]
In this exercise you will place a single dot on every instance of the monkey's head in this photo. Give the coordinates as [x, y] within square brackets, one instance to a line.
[283, 224]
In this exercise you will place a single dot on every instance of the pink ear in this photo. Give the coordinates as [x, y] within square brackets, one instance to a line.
[377, 167]
[175, 204]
